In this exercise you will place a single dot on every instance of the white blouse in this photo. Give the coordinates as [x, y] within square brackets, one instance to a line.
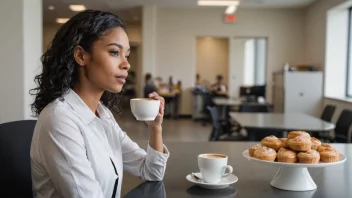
[76, 154]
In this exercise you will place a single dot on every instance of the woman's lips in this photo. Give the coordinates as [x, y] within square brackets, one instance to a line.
[121, 79]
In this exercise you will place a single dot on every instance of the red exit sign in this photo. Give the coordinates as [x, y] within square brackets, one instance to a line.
[230, 18]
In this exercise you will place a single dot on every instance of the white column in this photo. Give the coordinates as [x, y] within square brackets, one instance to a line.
[149, 29]
[20, 50]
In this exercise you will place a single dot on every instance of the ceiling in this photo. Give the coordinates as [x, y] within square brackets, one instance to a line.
[130, 10]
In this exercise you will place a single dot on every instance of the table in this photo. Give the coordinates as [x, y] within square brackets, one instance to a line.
[254, 179]
[282, 121]
[226, 102]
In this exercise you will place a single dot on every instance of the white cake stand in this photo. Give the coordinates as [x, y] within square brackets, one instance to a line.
[293, 176]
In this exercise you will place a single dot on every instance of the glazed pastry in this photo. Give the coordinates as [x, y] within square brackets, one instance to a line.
[284, 141]
[309, 157]
[323, 147]
[253, 148]
[300, 143]
[265, 153]
[315, 143]
[329, 155]
[272, 142]
[294, 134]
[286, 155]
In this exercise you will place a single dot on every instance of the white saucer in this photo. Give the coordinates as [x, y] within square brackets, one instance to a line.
[223, 183]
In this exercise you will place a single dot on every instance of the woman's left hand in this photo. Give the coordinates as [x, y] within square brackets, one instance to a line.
[159, 118]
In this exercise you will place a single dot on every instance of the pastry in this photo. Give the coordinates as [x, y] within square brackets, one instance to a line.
[265, 153]
[309, 157]
[315, 143]
[323, 147]
[329, 155]
[286, 155]
[300, 143]
[294, 134]
[253, 148]
[272, 142]
[284, 141]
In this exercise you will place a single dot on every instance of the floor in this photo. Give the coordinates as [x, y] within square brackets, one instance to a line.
[183, 129]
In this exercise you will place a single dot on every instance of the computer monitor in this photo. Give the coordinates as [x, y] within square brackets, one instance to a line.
[253, 91]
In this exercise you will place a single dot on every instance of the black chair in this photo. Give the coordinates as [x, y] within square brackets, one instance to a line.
[15, 167]
[328, 113]
[221, 127]
[254, 108]
[342, 129]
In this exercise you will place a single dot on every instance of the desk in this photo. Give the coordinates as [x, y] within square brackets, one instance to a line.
[254, 179]
[279, 122]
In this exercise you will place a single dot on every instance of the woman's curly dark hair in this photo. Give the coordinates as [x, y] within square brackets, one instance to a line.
[59, 72]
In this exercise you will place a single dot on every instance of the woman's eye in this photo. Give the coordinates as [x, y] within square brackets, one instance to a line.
[127, 57]
[114, 53]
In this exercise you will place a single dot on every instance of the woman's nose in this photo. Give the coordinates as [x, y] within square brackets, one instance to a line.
[125, 65]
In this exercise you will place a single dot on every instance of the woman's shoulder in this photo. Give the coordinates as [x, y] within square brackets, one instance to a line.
[57, 112]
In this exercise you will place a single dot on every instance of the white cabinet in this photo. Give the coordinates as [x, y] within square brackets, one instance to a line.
[298, 92]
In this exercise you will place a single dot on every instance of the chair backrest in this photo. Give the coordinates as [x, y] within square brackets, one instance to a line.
[15, 167]
[343, 125]
[328, 113]
[214, 114]
[207, 101]
[254, 108]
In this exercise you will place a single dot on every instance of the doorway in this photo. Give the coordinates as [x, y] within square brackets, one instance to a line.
[212, 59]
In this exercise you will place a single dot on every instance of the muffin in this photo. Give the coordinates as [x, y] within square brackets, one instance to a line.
[309, 157]
[265, 153]
[294, 134]
[286, 155]
[323, 147]
[284, 141]
[300, 143]
[272, 142]
[253, 148]
[329, 155]
[315, 143]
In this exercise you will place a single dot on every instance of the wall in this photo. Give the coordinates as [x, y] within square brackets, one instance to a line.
[19, 55]
[212, 58]
[315, 39]
[177, 30]
[49, 31]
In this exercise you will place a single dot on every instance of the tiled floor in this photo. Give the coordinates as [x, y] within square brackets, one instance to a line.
[173, 130]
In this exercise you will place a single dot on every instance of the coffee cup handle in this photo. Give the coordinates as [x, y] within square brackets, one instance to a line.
[229, 170]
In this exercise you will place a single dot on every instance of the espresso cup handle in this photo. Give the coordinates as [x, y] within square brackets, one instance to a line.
[229, 170]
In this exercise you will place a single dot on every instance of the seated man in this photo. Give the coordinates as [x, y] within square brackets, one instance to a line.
[219, 88]
[149, 86]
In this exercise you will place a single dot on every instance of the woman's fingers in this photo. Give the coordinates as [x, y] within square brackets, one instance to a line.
[156, 96]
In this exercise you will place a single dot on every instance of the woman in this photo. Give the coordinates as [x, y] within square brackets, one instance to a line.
[78, 149]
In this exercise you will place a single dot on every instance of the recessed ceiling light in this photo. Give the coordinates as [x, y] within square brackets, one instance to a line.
[51, 7]
[230, 9]
[217, 3]
[77, 8]
[62, 20]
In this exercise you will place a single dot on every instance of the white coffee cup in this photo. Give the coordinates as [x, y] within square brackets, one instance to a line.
[145, 109]
[214, 167]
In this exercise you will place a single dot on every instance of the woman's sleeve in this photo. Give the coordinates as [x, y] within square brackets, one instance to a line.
[148, 165]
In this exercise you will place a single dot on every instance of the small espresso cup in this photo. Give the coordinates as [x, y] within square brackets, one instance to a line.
[145, 109]
[214, 167]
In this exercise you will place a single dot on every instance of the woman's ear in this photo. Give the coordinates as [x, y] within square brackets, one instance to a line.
[80, 55]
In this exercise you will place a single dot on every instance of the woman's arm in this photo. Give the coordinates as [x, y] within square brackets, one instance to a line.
[149, 165]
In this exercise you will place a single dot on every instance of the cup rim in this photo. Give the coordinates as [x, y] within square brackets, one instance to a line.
[143, 99]
[222, 155]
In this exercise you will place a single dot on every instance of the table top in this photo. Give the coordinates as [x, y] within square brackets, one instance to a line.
[281, 121]
[254, 179]
[227, 101]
